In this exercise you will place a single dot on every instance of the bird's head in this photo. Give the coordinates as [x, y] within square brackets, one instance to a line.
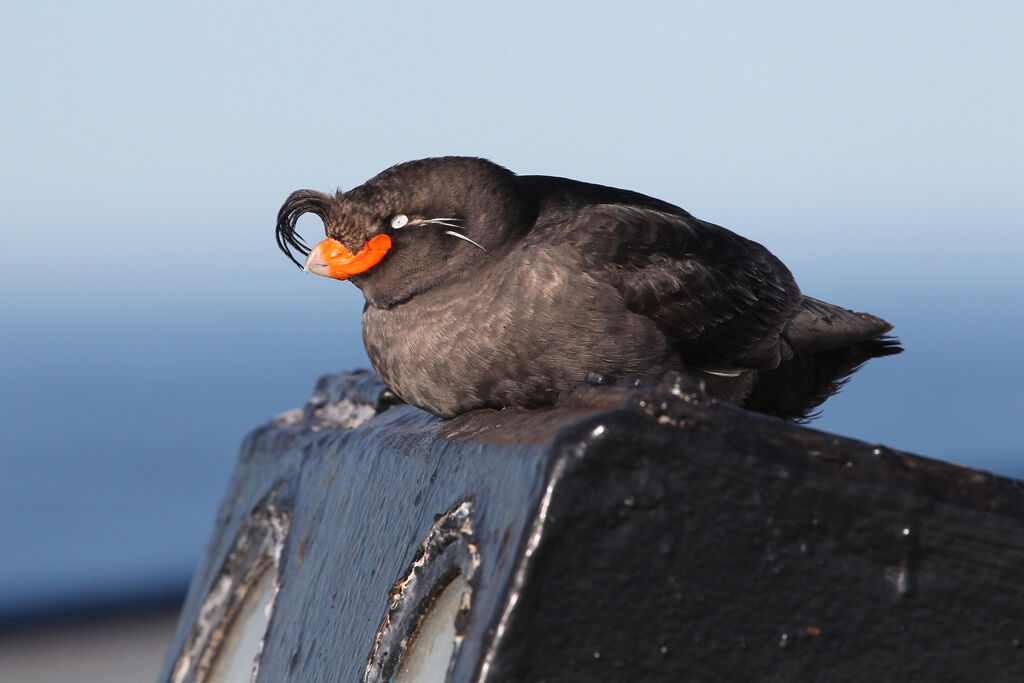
[409, 228]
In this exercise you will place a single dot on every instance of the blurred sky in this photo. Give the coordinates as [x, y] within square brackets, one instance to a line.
[148, 321]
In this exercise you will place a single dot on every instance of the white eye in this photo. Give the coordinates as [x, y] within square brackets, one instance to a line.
[399, 221]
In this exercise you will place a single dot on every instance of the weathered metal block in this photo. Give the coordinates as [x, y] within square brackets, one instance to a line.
[632, 533]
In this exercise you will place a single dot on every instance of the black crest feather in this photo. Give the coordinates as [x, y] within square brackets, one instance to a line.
[298, 203]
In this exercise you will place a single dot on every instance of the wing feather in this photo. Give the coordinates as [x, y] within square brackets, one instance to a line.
[725, 299]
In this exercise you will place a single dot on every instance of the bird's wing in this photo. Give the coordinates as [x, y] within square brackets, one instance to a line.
[818, 326]
[724, 298]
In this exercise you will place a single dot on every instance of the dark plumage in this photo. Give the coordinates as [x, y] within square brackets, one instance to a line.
[488, 289]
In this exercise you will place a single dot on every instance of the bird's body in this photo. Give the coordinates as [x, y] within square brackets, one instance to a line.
[528, 306]
[498, 290]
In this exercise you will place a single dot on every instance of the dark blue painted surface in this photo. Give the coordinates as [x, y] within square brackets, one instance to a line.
[632, 531]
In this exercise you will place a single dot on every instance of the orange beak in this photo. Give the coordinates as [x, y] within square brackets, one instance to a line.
[330, 258]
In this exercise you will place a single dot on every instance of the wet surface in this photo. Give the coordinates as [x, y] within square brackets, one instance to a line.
[636, 530]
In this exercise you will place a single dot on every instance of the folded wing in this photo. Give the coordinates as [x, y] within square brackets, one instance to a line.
[725, 299]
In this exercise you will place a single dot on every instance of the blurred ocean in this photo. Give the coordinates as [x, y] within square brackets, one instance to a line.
[120, 426]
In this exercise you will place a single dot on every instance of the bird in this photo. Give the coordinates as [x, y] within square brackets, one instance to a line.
[488, 289]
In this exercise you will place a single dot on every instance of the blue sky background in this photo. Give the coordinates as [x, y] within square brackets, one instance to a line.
[148, 321]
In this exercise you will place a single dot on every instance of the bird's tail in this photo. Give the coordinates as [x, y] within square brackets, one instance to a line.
[798, 386]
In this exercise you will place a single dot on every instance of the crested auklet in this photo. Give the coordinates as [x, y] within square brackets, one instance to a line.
[488, 289]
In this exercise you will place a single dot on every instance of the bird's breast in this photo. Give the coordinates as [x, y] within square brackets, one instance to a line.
[511, 336]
